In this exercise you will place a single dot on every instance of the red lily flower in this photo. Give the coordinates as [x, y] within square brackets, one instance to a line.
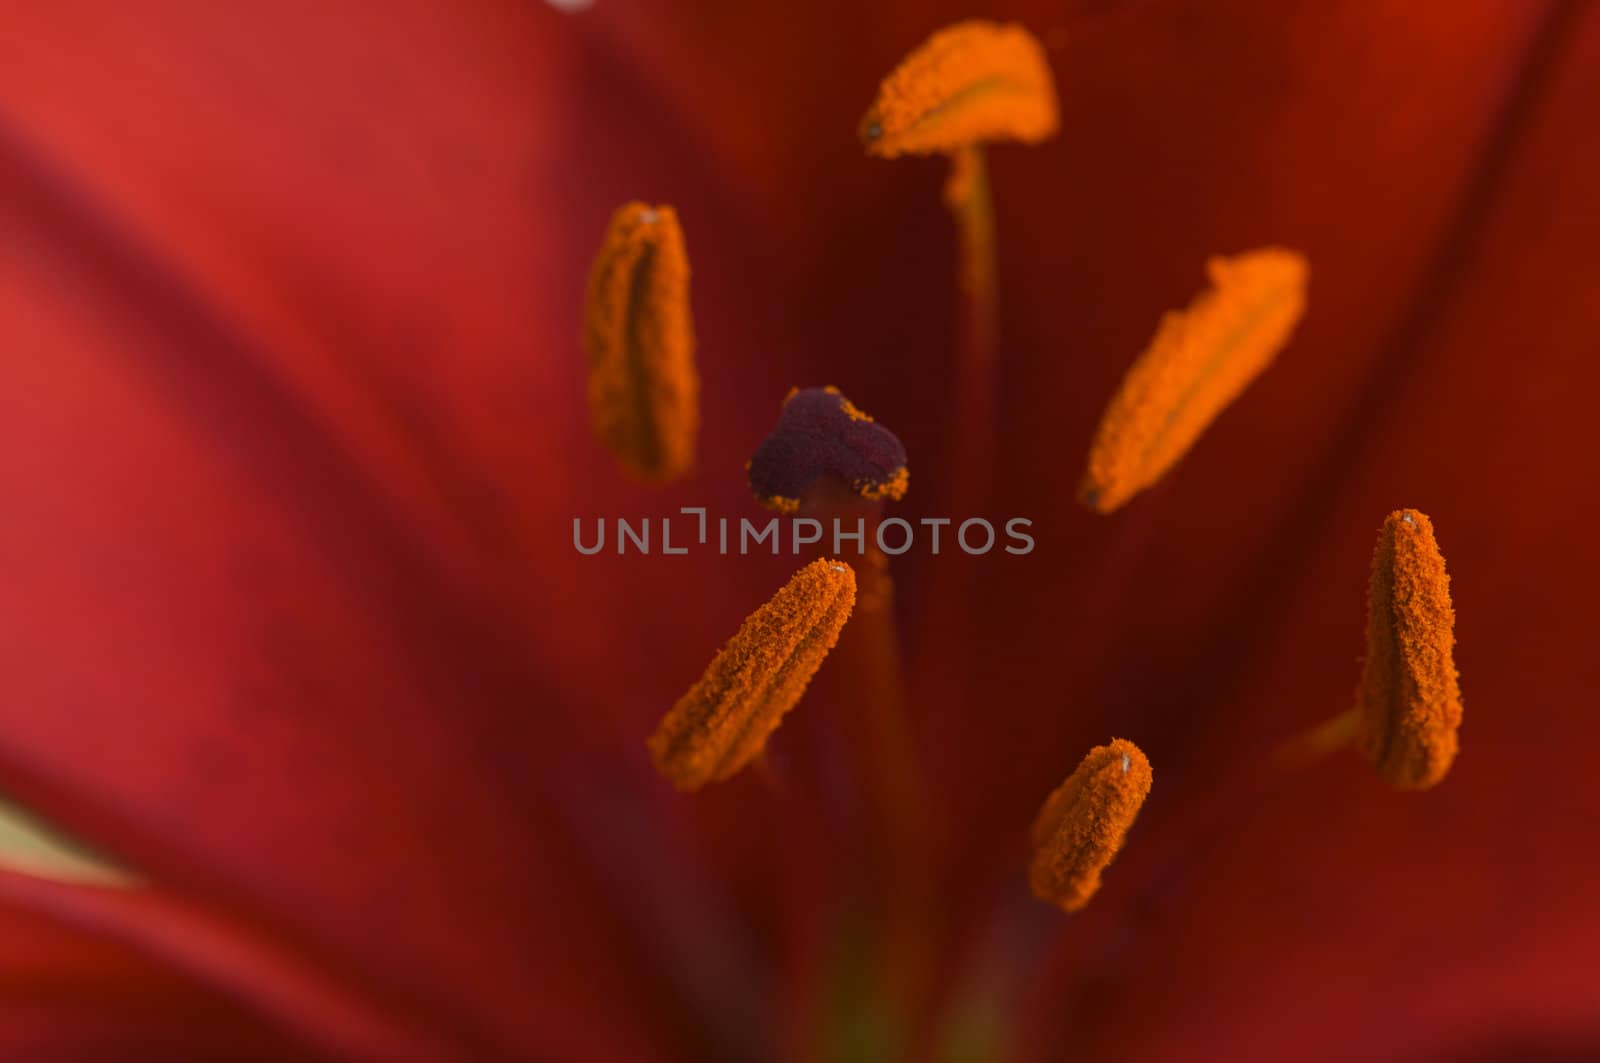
[294, 435]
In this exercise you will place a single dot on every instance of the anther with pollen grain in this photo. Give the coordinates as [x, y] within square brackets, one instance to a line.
[1408, 704]
[1199, 361]
[1409, 699]
[971, 82]
[644, 391]
[725, 719]
[1084, 822]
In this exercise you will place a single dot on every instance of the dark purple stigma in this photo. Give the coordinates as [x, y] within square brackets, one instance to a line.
[822, 434]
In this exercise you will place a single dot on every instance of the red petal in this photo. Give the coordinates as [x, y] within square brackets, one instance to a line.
[266, 456]
[67, 994]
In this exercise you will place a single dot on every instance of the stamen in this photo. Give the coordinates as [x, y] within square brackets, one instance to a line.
[644, 392]
[725, 718]
[966, 85]
[820, 433]
[1083, 824]
[1410, 697]
[1200, 360]
[970, 82]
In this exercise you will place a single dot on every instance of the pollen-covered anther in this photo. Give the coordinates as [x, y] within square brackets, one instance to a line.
[821, 434]
[644, 392]
[1410, 697]
[1084, 823]
[971, 82]
[1199, 361]
[725, 719]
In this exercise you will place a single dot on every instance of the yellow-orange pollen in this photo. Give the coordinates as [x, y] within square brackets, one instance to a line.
[1199, 361]
[1410, 698]
[725, 719]
[1084, 823]
[644, 391]
[970, 82]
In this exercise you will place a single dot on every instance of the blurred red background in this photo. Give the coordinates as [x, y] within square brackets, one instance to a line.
[293, 434]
